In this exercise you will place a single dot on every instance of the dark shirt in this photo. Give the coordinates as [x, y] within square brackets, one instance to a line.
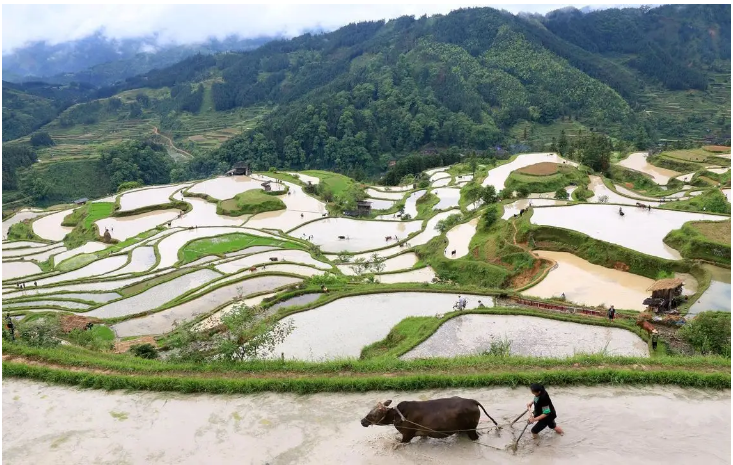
[543, 405]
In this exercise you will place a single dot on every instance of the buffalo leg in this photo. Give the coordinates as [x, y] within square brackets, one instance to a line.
[407, 436]
[473, 435]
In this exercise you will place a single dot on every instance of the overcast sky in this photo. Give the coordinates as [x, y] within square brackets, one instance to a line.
[195, 23]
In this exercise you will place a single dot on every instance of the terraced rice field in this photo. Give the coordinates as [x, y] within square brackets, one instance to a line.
[146, 197]
[225, 187]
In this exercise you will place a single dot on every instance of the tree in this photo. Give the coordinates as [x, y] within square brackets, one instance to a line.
[42, 139]
[709, 333]
[561, 194]
[472, 192]
[473, 164]
[490, 216]
[562, 144]
[488, 194]
[249, 334]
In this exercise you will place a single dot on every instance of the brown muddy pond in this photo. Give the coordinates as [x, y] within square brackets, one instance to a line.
[610, 425]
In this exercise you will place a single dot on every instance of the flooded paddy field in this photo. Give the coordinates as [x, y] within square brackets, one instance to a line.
[400, 262]
[384, 195]
[49, 227]
[164, 321]
[305, 178]
[133, 200]
[359, 235]
[529, 336]
[22, 215]
[22, 244]
[497, 177]
[638, 229]
[379, 204]
[141, 259]
[587, 284]
[282, 255]
[300, 208]
[70, 425]
[441, 182]
[354, 322]
[448, 196]
[125, 227]
[458, 239]
[637, 161]
[515, 207]
[18, 269]
[204, 213]
[89, 247]
[718, 295]
[423, 275]
[225, 187]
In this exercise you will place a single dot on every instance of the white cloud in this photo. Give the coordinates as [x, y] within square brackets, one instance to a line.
[194, 23]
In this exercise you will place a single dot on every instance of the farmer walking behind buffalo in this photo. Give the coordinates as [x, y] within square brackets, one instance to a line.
[544, 413]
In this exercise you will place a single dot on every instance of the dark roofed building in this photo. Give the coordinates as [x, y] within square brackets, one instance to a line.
[81, 201]
[240, 169]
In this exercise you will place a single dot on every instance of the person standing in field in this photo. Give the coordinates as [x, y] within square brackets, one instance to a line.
[543, 414]
[611, 313]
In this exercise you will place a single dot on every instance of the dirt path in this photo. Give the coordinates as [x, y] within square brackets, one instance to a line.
[170, 142]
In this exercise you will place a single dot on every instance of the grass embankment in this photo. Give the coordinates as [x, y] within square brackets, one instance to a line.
[425, 205]
[82, 219]
[23, 231]
[710, 201]
[80, 367]
[716, 148]
[249, 202]
[640, 182]
[227, 243]
[336, 183]
[706, 240]
[546, 177]
[148, 283]
[698, 157]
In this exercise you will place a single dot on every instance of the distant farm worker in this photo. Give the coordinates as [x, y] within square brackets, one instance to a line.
[611, 313]
[10, 325]
[655, 339]
[463, 303]
[544, 413]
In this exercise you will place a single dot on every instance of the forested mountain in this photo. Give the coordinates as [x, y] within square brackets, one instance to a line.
[101, 61]
[476, 79]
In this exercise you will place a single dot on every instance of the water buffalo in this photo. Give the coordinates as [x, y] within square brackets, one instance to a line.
[453, 253]
[437, 418]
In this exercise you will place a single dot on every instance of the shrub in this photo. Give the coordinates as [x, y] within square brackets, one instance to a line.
[41, 332]
[490, 217]
[42, 139]
[126, 186]
[561, 194]
[144, 351]
[709, 333]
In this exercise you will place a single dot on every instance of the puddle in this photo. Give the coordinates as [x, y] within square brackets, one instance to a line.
[24, 214]
[459, 237]
[19, 269]
[587, 284]
[497, 177]
[292, 302]
[637, 161]
[203, 213]
[133, 200]
[155, 296]
[360, 234]
[89, 247]
[125, 227]
[354, 322]
[638, 229]
[141, 259]
[100, 267]
[449, 198]
[717, 296]
[515, 207]
[384, 195]
[225, 187]
[280, 428]
[400, 262]
[163, 322]
[423, 275]
[530, 337]
[49, 227]
[283, 255]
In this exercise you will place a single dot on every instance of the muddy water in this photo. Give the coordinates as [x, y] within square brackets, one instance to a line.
[354, 322]
[384, 195]
[400, 262]
[225, 187]
[515, 207]
[588, 284]
[497, 177]
[637, 161]
[283, 255]
[155, 296]
[361, 235]
[24, 214]
[203, 213]
[529, 336]
[69, 425]
[145, 197]
[18, 269]
[717, 296]
[423, 275]
[639, 229]
[49, 227]
[125, 227]
[164, 321]
[459, 237]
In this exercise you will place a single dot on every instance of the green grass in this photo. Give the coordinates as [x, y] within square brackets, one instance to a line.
[337, 183]
[711, 201]
[89, 213]
[640, 182]
[103, 332]
[227, 243]
[76, 262]
[565, 176]
[22, 232]
[425, 205]
[705, 240]
[250, 202]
